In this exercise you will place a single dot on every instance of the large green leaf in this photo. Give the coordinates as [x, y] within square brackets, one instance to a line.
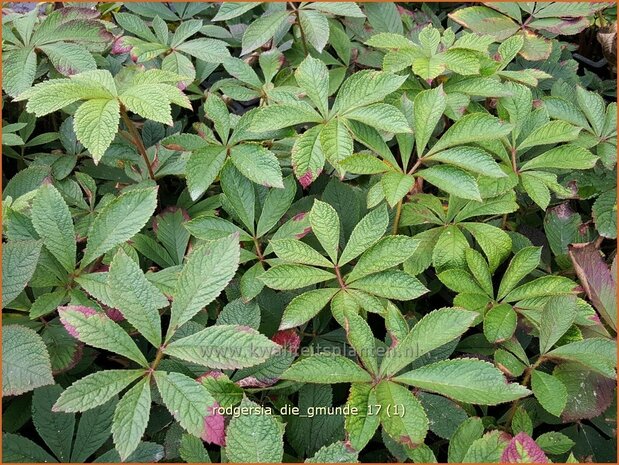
[256, 437]
[51, 219]
[207, 272]
[131, 418]
[137, 299]
[25, 361]
[224, 347]
[119, 221]
[19, 260]
[96, 124]
[466, 380]
[326, 369]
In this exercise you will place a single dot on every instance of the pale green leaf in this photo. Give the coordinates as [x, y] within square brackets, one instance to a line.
[224, 347]
[428, 110]
[326, 369]
[25, 361]
[325, 224]
[208, 270]
[295, 251]
[525, 261]
[304, 307]
[131, 418]
[366, 233]
[550, 392]
[52, 221]
[465, 380]
[286, 277]
[98, 330]
[119, 221]
[257, 164]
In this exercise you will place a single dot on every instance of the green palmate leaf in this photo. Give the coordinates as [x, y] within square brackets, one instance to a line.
[366, 233]
[597, 354]
[280, 116]
[542, 287]
[525, 261]
[261, 30]
[52, 221]
[207, 272]
[96, 329]
[191, 448]
[202, 169]
[224, 346]
[549, 391]
[239, 191]
[557, 318]
[316, 28]
[187, 400]
[256, 437]
[381, 116]
[495, 242]
[95, 389]
[395, 186]
[276, 205]
[137, 299]
[391, 284]
[307, 156]
[465, 380]
[500, 323]
[25, 361]
[131, 418]
[336, 142]
[257, 164]
[388, 252]
[469, 431]
[366, 87]
[19, 260]
[284, 277]
[295, 251]
[453, 181]
[55, 428]
[304, 307]
[361, 339]
[411, 426]
[552, 132]
[326, 369]
[313, 77]
[479, 269]
[337, 452]
[362, 426]
[325, 224]
[119, 221]
[362, 163]
[96, 124]
[433, 330]
[93, 431]
[592, 105]
[471, 159]
[473, 128]
[563, 157]
[428, 110]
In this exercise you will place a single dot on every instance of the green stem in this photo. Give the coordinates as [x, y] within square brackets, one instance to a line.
[137, 140]
[396, 220]
[303, 39]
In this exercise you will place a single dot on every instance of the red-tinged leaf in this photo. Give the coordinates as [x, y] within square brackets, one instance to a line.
[597, 280]
[523, 449]
[289, 339]
[214, 426]
[87, 311]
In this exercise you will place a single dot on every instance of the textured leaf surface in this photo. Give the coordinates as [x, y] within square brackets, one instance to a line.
[284, 277]
[305, 306]
[433, 330]
[137, 299]
[25, 361]
[207, 272]
[96, 124]
[119, 221]
[187, 400]
[549, 391]
[95, 389]
[131, 418]
[19, 260]
[55, 428]
[255, 438]
[224, 346]
[326, 369]
[98, 330]
[52, 220]
[465, 380]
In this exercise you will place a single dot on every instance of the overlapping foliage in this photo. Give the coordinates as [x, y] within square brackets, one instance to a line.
[398, 219]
